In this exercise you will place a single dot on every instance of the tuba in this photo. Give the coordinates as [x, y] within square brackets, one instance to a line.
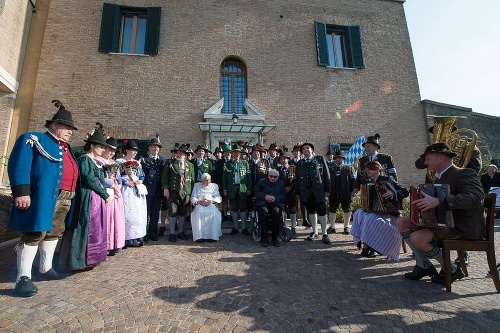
[461, 141]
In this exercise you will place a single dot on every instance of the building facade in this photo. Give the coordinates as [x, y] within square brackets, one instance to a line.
[193, 71]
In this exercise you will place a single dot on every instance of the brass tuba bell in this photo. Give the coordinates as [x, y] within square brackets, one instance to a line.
[461, 141]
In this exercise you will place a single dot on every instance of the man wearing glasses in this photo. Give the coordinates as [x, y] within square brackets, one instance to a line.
[269, 197]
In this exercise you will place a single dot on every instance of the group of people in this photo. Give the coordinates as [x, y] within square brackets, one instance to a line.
[101, 203]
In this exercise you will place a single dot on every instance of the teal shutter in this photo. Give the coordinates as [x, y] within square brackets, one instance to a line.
[152, 30]
[321, 45]
[354, 35]
[110, 28]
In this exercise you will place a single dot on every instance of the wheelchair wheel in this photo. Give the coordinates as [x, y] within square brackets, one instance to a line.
[256, 232]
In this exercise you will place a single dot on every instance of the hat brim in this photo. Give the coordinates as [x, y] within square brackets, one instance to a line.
[47, 122]
[373, 143]
[450, 154]
[155, 144]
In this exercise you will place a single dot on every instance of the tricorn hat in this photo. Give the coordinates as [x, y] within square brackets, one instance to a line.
[96, 137]
[130, 144]
[184, 148]
[306, 144]
[155, 141]
[112, 143]
[62, 115]
[373, 140]
[439, 147]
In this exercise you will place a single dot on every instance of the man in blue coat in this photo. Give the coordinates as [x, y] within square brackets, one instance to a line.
[43, 174]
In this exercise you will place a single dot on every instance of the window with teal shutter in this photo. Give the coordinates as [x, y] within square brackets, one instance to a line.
[339, 46]
[132, 30]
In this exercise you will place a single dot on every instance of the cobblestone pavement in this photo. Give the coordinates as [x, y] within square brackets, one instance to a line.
[236, 286]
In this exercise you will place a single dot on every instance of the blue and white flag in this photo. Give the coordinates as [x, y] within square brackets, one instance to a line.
[355, 151]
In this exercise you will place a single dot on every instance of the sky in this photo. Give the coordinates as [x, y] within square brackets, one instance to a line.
[456, 47]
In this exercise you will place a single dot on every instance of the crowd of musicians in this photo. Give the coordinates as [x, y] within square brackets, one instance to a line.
[102, 198]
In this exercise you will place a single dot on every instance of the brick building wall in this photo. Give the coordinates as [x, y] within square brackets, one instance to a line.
[168, 93]
[15, 19]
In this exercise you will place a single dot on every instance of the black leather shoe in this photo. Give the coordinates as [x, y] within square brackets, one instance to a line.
[145, 239]
[372, 253]
[439, 279]
[365, 252]
[182, 236]
[276, 243]
[25, 288]
[245, 232]
[172, 238]
[358, 245]
[153, 238]
[326, 240]
[346, 230]
[50, 275]
[234, 232]
[331, 231]
[264, 243]
[419, 272]
[161, 231]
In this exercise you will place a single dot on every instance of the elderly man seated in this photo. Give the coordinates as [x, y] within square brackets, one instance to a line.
[206, 218]
[269, 197]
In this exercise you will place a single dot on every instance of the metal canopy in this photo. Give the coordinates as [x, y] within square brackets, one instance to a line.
[242, 127]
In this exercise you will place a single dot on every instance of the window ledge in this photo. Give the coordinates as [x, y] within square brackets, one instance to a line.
[346, 68]
[129, 54]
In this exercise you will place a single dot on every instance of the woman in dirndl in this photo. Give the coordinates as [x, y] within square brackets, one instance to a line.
[134, 196]
[84, 242]
[377, 231]
[115, 209]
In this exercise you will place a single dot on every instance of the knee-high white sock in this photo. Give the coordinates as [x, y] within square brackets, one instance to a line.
[347, 218]
[47, 249]
[293, 220]
[313, 219]
[323, 221]
[25, 257]
[332, 217]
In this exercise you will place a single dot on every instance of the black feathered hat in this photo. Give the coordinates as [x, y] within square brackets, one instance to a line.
[62, 115]
[373, 140]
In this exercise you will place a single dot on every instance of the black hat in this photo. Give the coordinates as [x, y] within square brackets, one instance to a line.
[184, 148]
[439, 147]
[62, 115]
[306, 144]
[200, 147]
[431, 129]
[273, 146]
[130, 144]
[284, 154]
[236, 148]
[173, 150]
[329, 153]
[96, 137]
[112, 143]
[217, 150]
[155, 141]
[296, 147]
[339, 153]
[256, 147]
[373, 140]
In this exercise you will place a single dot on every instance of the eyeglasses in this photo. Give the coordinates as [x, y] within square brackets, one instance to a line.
[273, 176]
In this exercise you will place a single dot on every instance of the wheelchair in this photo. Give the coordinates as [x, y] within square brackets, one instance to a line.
[284, 232]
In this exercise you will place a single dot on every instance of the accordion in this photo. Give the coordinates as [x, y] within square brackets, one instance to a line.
[439, 217]
[373, 201]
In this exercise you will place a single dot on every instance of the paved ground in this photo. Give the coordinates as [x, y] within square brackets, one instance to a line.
[236, 286]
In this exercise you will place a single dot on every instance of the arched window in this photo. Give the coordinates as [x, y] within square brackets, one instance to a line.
[233, 78]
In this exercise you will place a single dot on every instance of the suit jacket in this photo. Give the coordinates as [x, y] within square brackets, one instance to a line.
[343, 181]
[205, 167]
[384, 159]
[487, 182]
[265, 187]
[37, 175]
[258, 170]
[219, 170]
[152, 174]
[171, 176]
[320, 179]
[465, 201]
[228, 182]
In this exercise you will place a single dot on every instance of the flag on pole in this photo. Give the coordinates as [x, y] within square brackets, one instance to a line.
[355, 151]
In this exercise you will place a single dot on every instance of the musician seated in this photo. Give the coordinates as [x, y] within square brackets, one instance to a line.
[269, 197]
[206, 218]
[375, 225]
[466, 204]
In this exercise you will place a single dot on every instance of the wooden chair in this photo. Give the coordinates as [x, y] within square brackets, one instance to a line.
[487, 245]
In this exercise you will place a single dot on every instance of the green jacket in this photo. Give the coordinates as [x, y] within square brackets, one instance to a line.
[171, 176]
[228, 178]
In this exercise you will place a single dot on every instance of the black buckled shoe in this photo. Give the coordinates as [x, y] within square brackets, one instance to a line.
[439, 279]
[419, 272]
[25, 288]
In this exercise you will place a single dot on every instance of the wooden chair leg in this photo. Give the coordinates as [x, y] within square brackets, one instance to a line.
[493, 270]
[403, 244]
[463, 266]
[447, 269]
